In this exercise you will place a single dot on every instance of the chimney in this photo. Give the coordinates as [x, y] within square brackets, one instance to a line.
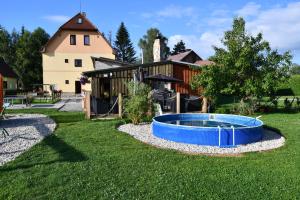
[84, 14]
[157, 50]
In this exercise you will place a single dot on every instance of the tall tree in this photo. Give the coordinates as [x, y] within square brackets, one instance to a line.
[28, 63]
[248, 66]
[178, 48]
[146, 44]
[124, 48]
[5, 45]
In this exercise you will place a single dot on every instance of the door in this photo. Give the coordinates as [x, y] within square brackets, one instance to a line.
[77, 87]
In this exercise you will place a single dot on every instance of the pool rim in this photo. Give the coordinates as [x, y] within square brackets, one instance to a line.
[198, 127]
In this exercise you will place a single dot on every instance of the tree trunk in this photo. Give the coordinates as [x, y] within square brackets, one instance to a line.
[204, 104]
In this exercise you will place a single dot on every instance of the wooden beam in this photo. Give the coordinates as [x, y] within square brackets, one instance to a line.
[178, 102]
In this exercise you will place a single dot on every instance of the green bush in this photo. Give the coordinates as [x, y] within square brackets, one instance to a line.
[223, 110]
[139, 103]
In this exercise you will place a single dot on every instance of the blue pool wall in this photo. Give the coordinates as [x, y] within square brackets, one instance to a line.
[253, 131]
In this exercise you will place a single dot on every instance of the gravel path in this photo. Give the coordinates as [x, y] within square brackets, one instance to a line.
[271, 140]
[72, 104]
[25, 130]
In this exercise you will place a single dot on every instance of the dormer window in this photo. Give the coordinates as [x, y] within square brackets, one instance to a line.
[79, 20]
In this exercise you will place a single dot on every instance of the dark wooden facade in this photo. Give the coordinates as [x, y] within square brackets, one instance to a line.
[110, 82]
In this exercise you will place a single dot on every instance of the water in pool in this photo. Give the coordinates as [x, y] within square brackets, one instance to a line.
[204, 123]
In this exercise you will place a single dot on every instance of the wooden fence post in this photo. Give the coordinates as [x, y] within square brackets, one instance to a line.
[120, 104]
[1, 92]
[178, 102]
[88, 105]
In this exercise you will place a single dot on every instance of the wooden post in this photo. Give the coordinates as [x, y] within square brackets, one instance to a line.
[1, 92]
[178, 102]
[120, 104]
[88, 105]
[204, 105]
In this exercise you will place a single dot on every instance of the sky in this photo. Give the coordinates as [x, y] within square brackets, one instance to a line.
[200, 24]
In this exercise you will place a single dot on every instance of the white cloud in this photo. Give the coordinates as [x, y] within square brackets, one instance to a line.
[171, 11]
[201, 44]
[250, 9]
[57, 18]
[280, 26]
[176, 11]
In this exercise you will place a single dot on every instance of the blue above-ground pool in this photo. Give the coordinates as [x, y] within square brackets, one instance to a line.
[208, 129]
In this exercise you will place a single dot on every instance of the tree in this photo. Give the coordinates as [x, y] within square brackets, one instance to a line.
[178, 48]
[146, 44]
[28, 57]
[5, 45]
[139, 101]
[248, 66]
[124, 48]
[295, 69]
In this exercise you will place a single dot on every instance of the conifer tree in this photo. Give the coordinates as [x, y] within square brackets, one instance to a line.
[178, 48]
[123, 46]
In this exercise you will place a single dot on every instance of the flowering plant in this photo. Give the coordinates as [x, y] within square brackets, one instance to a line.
[84, 80]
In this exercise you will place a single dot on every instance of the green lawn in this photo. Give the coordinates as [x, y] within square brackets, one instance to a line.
[92, 160]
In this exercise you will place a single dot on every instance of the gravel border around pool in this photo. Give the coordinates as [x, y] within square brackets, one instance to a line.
[25, 130]
[143, 132]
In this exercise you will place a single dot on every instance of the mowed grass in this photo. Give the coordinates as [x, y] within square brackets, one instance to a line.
[92, 160]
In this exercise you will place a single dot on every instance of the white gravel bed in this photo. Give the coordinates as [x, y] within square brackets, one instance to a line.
[25, 130]
[143, 132]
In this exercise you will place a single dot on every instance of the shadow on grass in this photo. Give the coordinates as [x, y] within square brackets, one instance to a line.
[276, 130]
[66, 153]
[67, 118]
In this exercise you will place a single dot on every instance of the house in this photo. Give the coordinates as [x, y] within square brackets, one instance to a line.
[191, 57]
[10, 78]
[68, 53]
[108, 82]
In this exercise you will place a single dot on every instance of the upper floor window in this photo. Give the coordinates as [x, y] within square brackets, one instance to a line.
[66, 60]
[78, 63]
[86, 40]
[79, 20]
[72, 39]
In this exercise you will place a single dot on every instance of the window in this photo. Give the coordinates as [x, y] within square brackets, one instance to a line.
[78, 63]
[67, 82]
[72, 39]
[4, 84]
[79, 21]
[66, 60]
[86, 40]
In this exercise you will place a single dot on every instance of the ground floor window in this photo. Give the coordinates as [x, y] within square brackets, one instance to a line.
[4, 84]
[78, 63]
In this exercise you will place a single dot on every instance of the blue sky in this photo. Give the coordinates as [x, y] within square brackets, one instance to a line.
[199, 23]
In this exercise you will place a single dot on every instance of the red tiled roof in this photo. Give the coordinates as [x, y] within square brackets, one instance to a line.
[5, 70]
[180, 56]
[204, 62]
[73, 24]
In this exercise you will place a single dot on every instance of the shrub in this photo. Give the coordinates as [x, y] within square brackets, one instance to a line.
[139, 103]
[222, 110]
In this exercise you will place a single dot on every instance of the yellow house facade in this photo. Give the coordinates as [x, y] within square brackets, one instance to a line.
[9, 77]
[68, 53]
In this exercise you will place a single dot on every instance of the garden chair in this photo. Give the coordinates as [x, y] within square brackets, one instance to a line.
[3, 130]
[2, 114]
